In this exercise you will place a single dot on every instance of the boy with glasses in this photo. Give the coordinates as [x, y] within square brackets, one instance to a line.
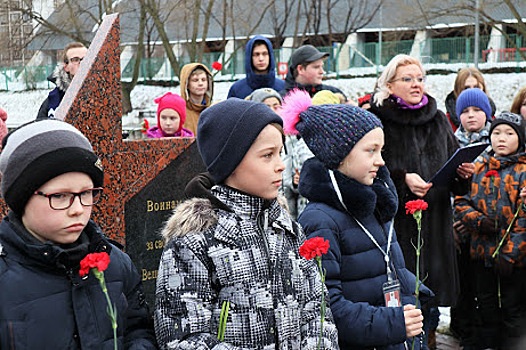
[73, 54]
[50, 180]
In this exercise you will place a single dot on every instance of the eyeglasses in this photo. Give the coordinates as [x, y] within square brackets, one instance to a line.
[75, 59]
[408, 80]
[64, 200]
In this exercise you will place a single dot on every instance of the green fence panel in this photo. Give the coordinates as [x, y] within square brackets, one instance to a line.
[436, 50]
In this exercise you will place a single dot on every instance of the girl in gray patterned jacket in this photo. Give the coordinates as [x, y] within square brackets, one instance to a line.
[231, 276]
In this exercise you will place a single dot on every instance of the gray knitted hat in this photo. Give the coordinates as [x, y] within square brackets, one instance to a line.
[516, 122]
[260, 95]
[39, 151]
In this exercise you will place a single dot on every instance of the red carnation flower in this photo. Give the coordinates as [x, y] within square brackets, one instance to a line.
[99, 261]
[217, 65]
[492, 173]
[145, 126]
[314, 247]
[412, 206]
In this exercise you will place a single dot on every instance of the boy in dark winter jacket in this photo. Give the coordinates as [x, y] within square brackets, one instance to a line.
[352, 203]
[231, 276]
[496, 230]
[50, 180]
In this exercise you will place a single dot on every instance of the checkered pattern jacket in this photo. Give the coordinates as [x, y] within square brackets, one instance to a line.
[245, 259]
[496, 198]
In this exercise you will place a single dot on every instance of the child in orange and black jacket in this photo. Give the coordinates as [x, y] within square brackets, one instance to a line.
[499, 277]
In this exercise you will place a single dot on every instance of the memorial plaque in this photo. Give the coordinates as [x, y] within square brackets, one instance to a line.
[151, 206]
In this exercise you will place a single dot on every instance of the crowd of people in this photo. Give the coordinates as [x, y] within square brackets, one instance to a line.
[287, 161]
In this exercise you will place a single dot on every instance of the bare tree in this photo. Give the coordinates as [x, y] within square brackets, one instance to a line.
[127, 87]
[280, 15]
[327, 21]
[430, 10]
[152, 8]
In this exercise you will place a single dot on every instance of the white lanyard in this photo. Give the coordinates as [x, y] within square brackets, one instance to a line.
[389, 236]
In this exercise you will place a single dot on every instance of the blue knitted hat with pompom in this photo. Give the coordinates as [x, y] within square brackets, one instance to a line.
[330, 131]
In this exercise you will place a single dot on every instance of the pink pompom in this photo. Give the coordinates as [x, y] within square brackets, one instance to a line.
[294, 103]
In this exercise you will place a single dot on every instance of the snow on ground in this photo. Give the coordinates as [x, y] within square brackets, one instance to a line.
[22, 106]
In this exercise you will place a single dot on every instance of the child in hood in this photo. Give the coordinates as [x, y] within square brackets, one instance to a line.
[171, 115]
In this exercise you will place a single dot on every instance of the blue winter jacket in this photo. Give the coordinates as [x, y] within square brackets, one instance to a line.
[45, 304]
[244, 87]
[355, 267]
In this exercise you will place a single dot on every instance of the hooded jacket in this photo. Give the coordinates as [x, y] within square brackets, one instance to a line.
[62, 80]
[497, 198]
[45, 304]
[244, 87]
[240, 255]
[355, 267]
[193, 110]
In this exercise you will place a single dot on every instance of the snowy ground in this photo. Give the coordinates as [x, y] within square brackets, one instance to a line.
[22, 106]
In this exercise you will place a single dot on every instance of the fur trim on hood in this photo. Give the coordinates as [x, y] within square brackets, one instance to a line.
[193, 215]
[61, 78]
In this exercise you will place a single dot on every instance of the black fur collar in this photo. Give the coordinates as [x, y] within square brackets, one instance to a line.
[360, 200]
[391, 111]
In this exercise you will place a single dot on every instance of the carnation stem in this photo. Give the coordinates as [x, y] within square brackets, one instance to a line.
[322, 319]
[496, 252]
[111, 310]
[418, 218]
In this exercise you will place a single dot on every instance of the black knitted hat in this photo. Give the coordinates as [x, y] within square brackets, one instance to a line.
[226, 131]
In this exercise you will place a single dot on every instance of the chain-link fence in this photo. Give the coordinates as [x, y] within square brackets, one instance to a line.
[458, 50]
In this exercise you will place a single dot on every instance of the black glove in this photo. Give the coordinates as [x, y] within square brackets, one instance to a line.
[487, 227]
[503, 267]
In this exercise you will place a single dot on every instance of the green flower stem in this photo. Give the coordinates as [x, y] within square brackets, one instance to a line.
[418, 217]
[112, 310]
[506, 234]
[322, 274]
[222, 320]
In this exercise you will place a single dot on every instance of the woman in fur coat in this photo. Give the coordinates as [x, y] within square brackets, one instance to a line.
[418, 141]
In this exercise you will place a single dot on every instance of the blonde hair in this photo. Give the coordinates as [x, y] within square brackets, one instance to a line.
[382, 91]
[518, 100]
[463, 75]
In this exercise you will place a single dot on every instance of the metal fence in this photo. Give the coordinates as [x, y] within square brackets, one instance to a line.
[457, 50]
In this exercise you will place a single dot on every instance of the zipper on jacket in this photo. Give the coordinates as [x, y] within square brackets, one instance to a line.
[263, 228]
